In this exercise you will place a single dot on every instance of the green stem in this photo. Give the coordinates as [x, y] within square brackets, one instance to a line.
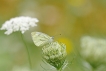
[60, 69]
[93, 69]
[29, 59]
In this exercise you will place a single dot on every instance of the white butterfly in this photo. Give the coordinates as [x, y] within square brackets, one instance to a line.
[41, 39]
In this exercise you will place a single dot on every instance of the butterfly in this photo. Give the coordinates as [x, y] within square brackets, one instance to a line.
[41, 39]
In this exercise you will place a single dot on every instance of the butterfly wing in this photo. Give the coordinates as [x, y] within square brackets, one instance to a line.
[40, 39]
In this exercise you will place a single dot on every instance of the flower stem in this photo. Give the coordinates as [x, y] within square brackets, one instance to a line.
[60, 69]
[29, 59]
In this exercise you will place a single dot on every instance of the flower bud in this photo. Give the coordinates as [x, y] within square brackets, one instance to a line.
[55, 54]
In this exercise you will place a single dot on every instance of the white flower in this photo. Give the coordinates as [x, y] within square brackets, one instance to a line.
[93, 49]
[55, 50]
[55, 54]
[19, 24]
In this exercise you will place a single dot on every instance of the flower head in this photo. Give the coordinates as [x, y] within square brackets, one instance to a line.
[55, 54]
[93, 50]
[19, 24]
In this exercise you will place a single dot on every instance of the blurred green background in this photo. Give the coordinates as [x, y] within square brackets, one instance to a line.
[72, 19]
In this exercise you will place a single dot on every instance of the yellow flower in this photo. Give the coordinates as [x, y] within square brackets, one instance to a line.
[67, 42]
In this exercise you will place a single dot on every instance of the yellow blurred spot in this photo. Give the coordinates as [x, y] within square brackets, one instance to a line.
[68, 44]
[77, 3]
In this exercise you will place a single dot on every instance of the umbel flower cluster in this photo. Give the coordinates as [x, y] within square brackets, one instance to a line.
[55, 54]
[93, 50]
[19, 24]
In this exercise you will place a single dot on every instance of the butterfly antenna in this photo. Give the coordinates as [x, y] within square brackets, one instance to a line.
[56, 35]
